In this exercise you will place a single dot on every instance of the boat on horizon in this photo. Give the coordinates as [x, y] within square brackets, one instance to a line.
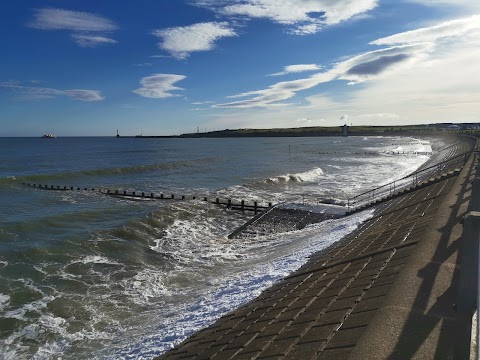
[49, 136]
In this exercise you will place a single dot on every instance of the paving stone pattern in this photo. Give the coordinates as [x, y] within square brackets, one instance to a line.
[321, 310]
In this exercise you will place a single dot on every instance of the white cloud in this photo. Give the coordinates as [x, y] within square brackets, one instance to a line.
[59, 19]
[202, 102]
[379, 116]
[452, 4]
[159, 86]
[397, 63]
[84, 95]
[181, 41]
[31, 92]
[92, 41]
[297, 69]
[88, 28]
[304, 120]
[447, 29]
[357, 69]
[303, 16]
[410, 82]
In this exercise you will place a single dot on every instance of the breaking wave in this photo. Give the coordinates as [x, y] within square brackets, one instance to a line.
[307, 176]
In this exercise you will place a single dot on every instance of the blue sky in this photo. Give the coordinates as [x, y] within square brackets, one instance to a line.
[81, 68]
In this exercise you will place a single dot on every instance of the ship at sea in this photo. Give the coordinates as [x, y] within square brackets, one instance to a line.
[49, 136]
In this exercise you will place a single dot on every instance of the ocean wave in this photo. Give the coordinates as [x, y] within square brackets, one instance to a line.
[95, 259]
[106, 171]
[307, 176]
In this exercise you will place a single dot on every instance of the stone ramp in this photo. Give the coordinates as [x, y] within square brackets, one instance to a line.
[283, 218]
[323, 310]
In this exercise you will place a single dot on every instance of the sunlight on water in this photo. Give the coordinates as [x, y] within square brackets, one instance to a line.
[83, 275]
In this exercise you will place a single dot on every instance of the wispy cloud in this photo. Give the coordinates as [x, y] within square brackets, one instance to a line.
[302, 17]
[453, 4]
[297, 69]
[183, 40]
[32, 92]
[357, 69]
[409, 82]
[405, 50]
[379, 116]
[202, 102]
[88, 29]
[159, 86]
[447, 29]
[92, 41]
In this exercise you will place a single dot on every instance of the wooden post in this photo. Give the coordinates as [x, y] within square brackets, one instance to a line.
[124, 192]
[116, 192]
[183, 197]
[217, 201]
[173, 196]
[243, 205]
[161, 196]
[152, 195]
[229, 203]
[255, 206]
[143, 194]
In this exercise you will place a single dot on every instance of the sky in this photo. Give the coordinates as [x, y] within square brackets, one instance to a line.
[167, 67]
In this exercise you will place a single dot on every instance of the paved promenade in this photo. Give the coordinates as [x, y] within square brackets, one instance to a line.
[386, 291]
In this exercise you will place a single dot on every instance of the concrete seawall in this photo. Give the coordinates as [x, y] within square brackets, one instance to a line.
[385, 291]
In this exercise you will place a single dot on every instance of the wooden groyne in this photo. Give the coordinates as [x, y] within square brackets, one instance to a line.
[240, 205]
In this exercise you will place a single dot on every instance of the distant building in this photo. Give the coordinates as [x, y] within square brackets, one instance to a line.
[344, 130]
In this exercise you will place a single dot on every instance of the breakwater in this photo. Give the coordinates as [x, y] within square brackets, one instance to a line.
[240, 205]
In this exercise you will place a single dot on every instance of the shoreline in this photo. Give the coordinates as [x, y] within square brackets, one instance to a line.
[314, 259]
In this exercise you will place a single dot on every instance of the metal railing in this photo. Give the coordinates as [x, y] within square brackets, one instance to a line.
[411, 180]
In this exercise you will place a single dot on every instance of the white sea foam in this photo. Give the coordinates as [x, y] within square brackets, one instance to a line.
[240, 284]
[145, 285]
[4, 300]
[95, 259]
[307, 176]
[34, 306]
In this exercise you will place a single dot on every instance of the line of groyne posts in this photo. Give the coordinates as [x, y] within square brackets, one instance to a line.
[468, 295]
[229, 203]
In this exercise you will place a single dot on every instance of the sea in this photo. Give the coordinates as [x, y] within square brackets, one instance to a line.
[89, 276]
